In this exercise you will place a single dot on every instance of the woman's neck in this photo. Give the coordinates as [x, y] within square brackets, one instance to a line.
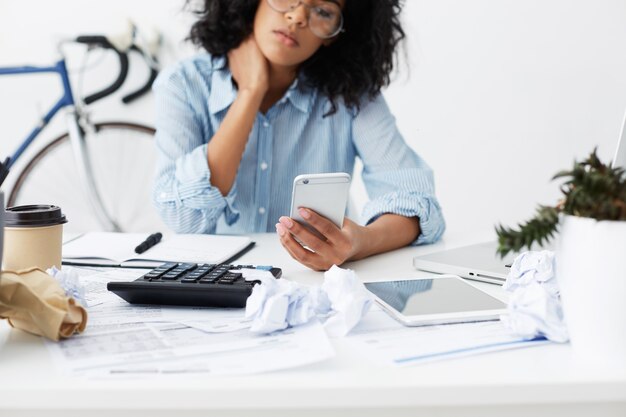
[280, 79]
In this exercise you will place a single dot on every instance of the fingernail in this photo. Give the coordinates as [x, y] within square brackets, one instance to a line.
[304, 213]
[286, 221]
[280, 229]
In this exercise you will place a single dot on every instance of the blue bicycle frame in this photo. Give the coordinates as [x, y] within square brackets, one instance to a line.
[66, 100]
[76, 135]
[78, 126]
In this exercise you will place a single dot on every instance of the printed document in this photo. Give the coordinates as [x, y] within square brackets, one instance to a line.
[384, 340]
[153, 348]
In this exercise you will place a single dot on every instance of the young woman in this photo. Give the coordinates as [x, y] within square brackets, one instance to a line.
[290, 87]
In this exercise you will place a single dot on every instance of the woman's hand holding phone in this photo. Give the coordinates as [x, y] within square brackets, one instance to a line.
[339, 246]
[317, 233]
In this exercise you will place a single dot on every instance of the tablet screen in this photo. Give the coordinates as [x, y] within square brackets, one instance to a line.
[433, 296]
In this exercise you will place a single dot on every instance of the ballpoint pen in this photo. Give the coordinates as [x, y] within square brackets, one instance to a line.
[150, 241]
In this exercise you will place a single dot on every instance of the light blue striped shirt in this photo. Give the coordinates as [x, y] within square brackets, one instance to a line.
[292, 138]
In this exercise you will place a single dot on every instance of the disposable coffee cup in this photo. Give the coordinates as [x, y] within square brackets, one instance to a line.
[33, 237]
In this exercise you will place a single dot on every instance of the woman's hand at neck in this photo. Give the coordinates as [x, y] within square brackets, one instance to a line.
[253, 73]
[249, 68]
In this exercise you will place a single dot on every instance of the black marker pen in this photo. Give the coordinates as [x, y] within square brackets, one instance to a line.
[150, 241]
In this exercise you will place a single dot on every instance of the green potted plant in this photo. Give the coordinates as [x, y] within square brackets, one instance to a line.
[590, 256]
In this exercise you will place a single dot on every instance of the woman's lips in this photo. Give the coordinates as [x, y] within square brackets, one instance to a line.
[286, 38]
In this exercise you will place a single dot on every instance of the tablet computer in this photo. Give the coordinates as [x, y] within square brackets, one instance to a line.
[439, 300]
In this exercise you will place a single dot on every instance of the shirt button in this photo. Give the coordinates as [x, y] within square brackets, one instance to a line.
[263, 166]
[266, 124]
[262, 210]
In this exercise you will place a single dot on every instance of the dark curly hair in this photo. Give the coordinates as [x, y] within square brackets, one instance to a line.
[358, 62]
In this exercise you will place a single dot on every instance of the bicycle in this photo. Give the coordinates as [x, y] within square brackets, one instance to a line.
[112, 162]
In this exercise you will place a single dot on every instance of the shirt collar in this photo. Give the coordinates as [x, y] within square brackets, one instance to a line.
[300, 95]
[223, 91]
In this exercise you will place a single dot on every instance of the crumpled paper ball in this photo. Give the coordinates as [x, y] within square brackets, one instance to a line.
[534, 308]
[277, 304]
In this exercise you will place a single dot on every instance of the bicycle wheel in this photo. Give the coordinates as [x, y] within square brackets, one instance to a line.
[123, 158]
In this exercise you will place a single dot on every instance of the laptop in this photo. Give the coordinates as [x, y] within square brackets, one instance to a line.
[480, 262]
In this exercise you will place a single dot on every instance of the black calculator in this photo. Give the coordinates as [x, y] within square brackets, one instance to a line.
[189, 284]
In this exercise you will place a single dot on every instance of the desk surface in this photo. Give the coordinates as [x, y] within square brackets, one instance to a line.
[543, 380]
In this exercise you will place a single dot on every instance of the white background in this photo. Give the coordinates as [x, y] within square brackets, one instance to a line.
[496, 95]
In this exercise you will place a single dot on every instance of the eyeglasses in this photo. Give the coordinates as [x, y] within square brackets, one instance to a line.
[325, 18]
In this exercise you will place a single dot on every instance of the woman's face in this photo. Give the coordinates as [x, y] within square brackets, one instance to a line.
[285, 39]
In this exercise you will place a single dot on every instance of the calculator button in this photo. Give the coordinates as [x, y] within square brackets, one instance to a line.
[187, 266]
[188, 280]
[216, 273]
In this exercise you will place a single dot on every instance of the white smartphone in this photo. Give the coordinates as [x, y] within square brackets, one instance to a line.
[326, 194]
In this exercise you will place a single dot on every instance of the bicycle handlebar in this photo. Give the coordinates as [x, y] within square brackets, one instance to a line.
[146, 87]
[103, 42]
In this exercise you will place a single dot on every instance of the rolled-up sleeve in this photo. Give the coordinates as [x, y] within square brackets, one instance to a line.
[397, 180]
[182, 193]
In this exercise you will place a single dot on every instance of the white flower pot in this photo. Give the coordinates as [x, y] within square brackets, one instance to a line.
[591, 272]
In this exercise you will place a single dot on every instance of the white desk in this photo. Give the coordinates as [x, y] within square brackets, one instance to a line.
[537, 381]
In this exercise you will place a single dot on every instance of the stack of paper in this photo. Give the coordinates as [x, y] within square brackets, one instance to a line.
[122, 339]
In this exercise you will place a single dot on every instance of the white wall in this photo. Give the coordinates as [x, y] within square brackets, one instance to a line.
[505, 93]
[500, 95]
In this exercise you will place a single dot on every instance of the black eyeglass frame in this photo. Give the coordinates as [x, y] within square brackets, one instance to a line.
[299, 3]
